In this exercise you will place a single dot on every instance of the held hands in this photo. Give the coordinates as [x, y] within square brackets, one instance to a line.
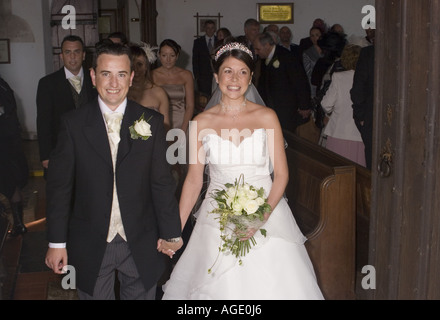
[169, 248]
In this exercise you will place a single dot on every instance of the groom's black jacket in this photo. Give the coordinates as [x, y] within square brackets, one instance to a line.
[81, 167]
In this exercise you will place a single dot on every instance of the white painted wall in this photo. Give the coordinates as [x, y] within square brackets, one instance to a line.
[176, 18]
[29, 61]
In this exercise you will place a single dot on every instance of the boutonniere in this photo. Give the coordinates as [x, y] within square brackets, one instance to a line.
[276, 64]
[141, 129]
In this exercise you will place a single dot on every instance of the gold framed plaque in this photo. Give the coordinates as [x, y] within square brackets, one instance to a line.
[275, 13]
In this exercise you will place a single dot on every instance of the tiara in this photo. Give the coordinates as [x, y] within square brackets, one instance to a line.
[150, 52]
[233, 46]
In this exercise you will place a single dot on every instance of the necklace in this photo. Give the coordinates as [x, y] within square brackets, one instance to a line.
[228, 108]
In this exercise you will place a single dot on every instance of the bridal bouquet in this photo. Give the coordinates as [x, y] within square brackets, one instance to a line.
[240, 206]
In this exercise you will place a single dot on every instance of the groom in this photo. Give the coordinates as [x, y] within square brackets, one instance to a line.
[111, 196]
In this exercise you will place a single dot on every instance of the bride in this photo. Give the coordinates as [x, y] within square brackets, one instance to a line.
[236, 138]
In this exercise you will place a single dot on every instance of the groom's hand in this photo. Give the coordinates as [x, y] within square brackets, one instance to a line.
[169, 247]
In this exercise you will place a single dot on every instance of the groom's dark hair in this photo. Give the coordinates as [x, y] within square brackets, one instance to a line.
[115, 49]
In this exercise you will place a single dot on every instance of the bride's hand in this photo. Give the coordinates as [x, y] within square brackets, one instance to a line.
[248, 234]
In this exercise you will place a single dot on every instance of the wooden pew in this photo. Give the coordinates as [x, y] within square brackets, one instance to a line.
[329, 197]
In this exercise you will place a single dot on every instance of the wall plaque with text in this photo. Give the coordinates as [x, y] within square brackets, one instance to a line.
[275, 13]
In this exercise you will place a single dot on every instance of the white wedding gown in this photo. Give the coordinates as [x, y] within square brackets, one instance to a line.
[278, 267]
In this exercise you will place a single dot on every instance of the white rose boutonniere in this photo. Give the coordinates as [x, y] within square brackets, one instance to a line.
[141, 129]
[276, 64]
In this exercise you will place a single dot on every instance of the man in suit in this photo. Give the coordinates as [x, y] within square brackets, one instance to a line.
[201, 59]
[362, 96]
[251, 31]
[122, 189]
[286, 41]
[283, 83]
[66, 89]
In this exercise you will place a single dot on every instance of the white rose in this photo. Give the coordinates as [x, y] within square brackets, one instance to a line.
[243, 200]
[237, 207]
[251, 206]
[242, 193]
[260, 201]
[276, 64]
[143, 128]
[252, 194]
[230, 192]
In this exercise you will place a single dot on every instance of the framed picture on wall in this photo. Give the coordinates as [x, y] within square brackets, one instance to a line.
[107, 22]
[201, 20]
[5, 51]
[273, 13]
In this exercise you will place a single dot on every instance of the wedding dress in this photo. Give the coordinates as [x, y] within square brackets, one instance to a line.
[277, 267]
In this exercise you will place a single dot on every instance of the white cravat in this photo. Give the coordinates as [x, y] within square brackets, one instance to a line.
[76, 83]
[114, 126]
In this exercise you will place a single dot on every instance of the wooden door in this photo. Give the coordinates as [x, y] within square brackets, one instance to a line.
[86, 27]
[405, 215]
[148, 22]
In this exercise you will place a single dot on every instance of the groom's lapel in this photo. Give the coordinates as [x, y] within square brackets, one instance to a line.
[96, 133]
[126, 142]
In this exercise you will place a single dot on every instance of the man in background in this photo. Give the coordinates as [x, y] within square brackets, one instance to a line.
[201, 59]
[66, 89]
[283, 83]
[251, 31]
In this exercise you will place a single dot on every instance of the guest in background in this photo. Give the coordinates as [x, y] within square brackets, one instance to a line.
[118, 37]
[275, 32]
[286, 41]
[362, 95]
[343, 137]
[331, 44]
[337, 28]
[14, 171]
[143, 90]
[222, 33]
[251, 31]
[177, 82]
[67, 89]
[201, 59]
[306, 42]
[311, 56]
[283, 83]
